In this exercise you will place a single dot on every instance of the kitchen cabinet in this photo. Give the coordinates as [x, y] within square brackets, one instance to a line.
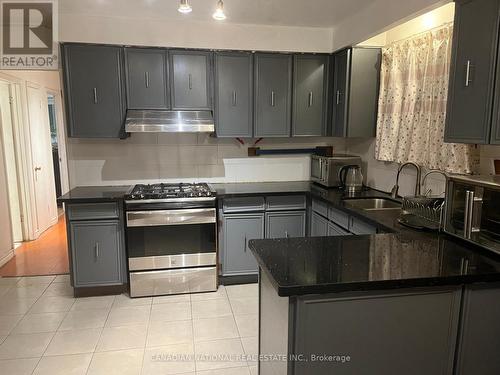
[319, 225]
[473, 74]
[355, 91]
[335, 230]
[97, 251]
[96, 244]
[359, 227]
[310, 90]
[238, 230]
[273, 95]
[191, 80]
[285, 224]
[94, 90]
[233, 94]
[147, 83]
[480, 331]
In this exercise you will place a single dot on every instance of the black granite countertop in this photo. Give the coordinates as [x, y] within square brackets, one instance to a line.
[259, 188]
[318, 265]
[88, 194]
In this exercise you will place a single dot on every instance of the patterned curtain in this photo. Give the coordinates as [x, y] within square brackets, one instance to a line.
[412, 105]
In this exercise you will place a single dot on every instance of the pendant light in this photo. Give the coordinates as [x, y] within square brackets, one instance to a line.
[219, 11]
[184, 7]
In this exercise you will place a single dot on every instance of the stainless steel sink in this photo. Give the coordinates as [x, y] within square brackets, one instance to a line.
[371, 204]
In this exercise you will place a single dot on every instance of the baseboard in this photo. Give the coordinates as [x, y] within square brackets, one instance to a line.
[6, 257]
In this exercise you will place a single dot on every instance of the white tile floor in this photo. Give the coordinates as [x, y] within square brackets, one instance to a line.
[44, 330]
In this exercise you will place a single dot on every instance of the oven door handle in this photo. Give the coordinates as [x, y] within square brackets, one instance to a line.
[170, 217]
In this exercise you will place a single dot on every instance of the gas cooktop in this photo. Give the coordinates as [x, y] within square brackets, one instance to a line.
[170, 191]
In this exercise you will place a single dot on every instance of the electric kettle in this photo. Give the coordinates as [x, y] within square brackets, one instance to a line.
[351, 178]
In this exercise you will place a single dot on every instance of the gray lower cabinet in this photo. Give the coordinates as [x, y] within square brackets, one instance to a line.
[97, 253]
[310, 91]
[472, 72]
[234, 94]
[359, 227]
[285, 224]
[479, 339]
[355, 92]
[191, 80]
[147, 78]
[335, 230]
[238, 230]
[319, 225]
[94, 90]
[273, 95]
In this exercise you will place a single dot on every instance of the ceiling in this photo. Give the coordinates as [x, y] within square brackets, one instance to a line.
[304, 13]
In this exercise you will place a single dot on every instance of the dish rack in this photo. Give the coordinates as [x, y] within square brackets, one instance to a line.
[422, 212]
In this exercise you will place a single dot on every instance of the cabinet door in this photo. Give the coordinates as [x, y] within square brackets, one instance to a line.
[340, 92]
[319, 225]
[97, 252]
[472, 72]
[273, 95]
[360, 227]
[238, 230]
[335, 230]
[233, 94]
[147, 84]
[94, 91]
[190, 80]
[309, 95]
[285, 224]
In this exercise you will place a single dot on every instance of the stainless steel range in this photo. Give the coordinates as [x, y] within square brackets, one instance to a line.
[171, 239]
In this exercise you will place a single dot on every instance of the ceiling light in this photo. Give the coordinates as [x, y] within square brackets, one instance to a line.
[219, 12]
[184, 7]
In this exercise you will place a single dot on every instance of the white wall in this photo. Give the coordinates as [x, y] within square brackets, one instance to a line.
[192, 34]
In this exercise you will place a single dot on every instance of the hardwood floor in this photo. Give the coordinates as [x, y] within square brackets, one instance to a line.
[48, 255]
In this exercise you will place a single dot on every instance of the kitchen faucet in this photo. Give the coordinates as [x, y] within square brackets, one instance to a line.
[395, 189]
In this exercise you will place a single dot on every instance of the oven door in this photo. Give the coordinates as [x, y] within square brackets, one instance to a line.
[166, 239]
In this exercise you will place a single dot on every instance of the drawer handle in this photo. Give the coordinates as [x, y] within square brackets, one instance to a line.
[146, 76]
[272, 99]
[338, 97]
[96, 250]
[310, 99]
[245, 248]
[95, 95]
[190, 81]
[234, 98]
[286, 234]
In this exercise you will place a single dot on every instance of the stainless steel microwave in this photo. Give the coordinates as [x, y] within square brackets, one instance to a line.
[325, 170]
[473, 210]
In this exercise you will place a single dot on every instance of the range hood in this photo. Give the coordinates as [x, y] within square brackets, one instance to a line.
[163, 121]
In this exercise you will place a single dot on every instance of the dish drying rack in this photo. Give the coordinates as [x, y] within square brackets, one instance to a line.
[422, 212]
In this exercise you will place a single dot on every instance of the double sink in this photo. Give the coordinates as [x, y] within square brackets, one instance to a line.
[372, 204]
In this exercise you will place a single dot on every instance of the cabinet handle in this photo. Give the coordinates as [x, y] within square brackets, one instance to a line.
[190, 81]
[310, 99]
[146, 75]
[467, 74]
[96, 249]
[95, 95]
[272, 98]
[245, 247]
[286, 234]
[338, 97]
[234, 98]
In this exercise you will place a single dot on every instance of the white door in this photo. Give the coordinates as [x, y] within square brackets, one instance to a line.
[7, 126]
[41, 156]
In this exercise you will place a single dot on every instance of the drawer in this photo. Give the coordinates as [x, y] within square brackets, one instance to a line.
[285, 202]
[360, 227]
[243, 204]
[320, 207]
[335, 230]
[174, 281]
[92, 211]
[339, 217]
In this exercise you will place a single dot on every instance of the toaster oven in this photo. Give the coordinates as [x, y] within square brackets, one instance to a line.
[325, 169]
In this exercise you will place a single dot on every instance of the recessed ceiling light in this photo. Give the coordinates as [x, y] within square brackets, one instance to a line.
[219, 11]
[184, 7]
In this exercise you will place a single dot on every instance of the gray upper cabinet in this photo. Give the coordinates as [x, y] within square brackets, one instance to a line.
[472, 73]
[147, 83]
[285, 224]
[273, 95]
[190, 79]
[238, 230]
[310, 84]
[94, 90]
[97, 253]
[233, 94]
[355, 92]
